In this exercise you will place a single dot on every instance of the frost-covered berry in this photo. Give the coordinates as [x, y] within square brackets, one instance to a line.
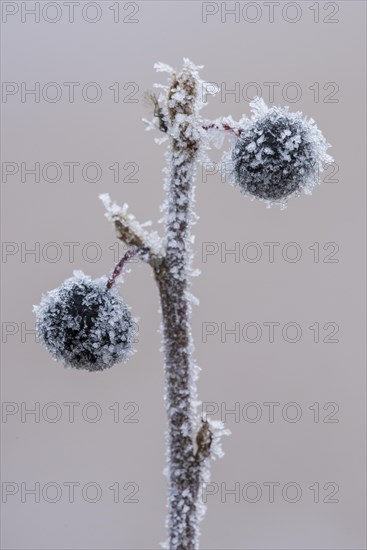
[84, 324]
[278, 154]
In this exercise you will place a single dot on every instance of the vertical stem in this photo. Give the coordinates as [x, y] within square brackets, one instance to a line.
[171, 276]
[182, 513]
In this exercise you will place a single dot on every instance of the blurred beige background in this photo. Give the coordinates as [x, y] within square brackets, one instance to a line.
[312, 52]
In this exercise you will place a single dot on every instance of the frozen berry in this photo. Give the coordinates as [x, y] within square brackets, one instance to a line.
[278, 154]
[84, 324]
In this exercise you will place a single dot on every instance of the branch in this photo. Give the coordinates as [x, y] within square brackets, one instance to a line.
[132, 232]
[184, 471]
[258, 106]
[226, 124]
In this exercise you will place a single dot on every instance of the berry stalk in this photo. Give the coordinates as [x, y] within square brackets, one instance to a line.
[119, 267]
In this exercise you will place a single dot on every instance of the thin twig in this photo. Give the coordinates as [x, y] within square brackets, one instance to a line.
[117, 271]
[132, 233]
[208, 125]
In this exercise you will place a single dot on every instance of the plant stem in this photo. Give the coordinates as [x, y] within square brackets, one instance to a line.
[183, 483]
[187, 462]
[171, 275]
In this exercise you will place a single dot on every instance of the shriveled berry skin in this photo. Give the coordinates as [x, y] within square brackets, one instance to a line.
[85, 325]
[278, 154]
